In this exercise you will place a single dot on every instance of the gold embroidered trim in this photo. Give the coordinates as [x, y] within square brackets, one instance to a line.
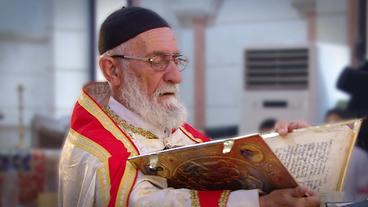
[88, 104]
[88, 145]
[190, 136]
[195, 198]
[125, 185]
[223, 199]
[105, 187]
[127, 182]
[91, 147]
[125, 125]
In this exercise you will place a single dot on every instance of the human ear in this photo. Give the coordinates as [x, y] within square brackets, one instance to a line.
[111, 70]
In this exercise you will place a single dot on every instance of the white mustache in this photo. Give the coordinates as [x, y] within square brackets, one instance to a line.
[166, 89]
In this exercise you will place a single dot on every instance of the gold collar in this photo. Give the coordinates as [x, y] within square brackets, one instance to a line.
[125, 125]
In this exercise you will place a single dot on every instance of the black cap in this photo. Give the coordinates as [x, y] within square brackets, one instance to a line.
[126, 23]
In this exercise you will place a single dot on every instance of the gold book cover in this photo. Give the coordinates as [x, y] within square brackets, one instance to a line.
[250, 162]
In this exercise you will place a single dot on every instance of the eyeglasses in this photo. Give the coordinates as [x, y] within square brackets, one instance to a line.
[159, 62]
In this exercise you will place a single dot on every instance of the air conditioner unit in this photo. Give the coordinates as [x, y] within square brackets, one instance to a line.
[292, 83]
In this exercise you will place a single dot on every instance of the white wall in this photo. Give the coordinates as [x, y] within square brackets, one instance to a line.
[25, 59]
[332, 21]
[70, 40]
[43, 46]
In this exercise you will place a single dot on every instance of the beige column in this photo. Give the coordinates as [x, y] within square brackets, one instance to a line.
[136, 3]
[312, 26]
[199, 74]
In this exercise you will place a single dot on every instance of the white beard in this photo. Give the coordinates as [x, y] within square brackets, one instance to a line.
[169, 114]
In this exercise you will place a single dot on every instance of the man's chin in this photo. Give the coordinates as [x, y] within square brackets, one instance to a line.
[170, 103]
[169, 107]
[167, 114]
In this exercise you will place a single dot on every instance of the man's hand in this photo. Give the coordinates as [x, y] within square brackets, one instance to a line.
[284, 127]
[293, 197]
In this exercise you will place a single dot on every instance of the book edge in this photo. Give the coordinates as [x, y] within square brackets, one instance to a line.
[346, 163]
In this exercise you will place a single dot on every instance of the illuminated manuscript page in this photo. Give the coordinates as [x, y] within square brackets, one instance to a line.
[317, 157]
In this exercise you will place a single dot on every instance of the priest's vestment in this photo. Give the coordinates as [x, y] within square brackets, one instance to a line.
[94, 171]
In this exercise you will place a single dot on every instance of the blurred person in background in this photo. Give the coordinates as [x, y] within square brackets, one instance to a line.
[138, 111]
[336, 115]
[267, 125]
[354, 81]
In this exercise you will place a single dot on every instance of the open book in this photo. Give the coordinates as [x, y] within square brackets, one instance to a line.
[316, 157]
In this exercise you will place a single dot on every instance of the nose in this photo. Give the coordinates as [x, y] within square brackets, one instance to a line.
[172, 73]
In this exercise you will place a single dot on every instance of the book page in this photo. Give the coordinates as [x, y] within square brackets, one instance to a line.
[316, 157]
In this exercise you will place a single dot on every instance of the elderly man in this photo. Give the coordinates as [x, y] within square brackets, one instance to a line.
[138, 111]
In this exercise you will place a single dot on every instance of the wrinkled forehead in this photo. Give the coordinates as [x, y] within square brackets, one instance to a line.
[158, 40]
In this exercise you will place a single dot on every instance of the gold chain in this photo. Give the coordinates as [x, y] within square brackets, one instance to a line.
[125, 125]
